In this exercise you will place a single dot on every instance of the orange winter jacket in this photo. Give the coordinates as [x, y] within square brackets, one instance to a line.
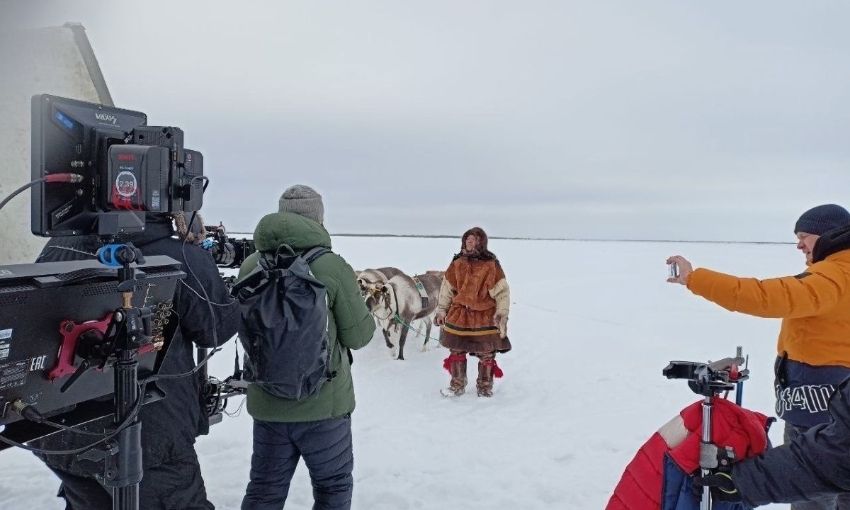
[814, 306]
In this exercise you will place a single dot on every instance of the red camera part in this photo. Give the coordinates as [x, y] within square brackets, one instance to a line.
[71, 332]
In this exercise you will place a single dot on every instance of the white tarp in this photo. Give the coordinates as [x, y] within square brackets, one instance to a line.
[58, 61]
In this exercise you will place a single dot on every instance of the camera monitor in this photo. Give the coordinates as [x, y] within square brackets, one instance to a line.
[127, 169]
[53, 353]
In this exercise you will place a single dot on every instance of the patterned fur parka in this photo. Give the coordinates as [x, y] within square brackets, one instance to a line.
[474, 295]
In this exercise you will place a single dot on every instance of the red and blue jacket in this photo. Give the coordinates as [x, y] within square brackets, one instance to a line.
[659, 476]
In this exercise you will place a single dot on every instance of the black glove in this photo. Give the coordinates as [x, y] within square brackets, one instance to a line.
[721, 485]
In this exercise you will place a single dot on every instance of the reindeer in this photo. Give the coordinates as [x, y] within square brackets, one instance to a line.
[369, 277]
[398, 302]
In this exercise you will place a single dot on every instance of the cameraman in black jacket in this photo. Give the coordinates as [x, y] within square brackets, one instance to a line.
[813, 465]
[172, 476]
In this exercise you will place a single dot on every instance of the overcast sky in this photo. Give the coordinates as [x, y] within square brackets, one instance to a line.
[662, 119]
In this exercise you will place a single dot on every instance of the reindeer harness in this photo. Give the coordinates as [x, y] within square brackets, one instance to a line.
[422, 293]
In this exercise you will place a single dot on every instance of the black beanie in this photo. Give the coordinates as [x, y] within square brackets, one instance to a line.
[821, 219]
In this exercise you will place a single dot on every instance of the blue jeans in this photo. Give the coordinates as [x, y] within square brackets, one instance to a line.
[326, 449]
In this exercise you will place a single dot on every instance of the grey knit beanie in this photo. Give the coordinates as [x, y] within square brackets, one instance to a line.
[821, 219]
[303, 200]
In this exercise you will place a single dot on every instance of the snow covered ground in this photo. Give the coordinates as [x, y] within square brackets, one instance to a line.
[592, 325]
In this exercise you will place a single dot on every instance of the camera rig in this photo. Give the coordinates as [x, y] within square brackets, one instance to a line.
[58, 330]
[227, 251]
[216, 392]
[709, 380]
[712, 378]
[64, 341]
[99, 170]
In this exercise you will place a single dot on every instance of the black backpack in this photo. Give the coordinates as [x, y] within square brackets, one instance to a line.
[284, 324]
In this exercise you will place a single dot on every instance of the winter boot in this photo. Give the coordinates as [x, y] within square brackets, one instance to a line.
[455, 364]
[487, 368]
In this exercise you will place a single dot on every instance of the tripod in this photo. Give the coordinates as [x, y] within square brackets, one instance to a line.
[128, 331]
[709, 380]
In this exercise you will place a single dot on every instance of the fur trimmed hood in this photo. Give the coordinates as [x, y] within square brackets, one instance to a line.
[482, 253]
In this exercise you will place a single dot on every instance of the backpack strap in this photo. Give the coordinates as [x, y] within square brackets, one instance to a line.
[313, 253]
[309, 256]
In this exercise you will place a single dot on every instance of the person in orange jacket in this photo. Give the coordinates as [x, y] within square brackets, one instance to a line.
[813, 349]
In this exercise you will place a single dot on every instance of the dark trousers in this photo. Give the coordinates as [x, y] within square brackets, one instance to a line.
[326, 449]
[838, 502]
[174, 485]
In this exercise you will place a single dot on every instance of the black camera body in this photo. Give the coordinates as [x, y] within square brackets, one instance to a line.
[227, 251]
[127, 169]
[709, 379]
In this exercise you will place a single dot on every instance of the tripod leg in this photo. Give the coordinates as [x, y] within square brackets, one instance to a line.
[705, 504]
[127, 467]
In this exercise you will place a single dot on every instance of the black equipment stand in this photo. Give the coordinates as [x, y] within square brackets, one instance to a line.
[129, 329]
[709, 380]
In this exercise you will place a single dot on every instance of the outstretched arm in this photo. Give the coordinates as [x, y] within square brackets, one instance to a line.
[813, 292]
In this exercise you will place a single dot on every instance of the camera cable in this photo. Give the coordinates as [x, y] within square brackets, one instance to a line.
[32, 413]
[46, 178]
[206, 298]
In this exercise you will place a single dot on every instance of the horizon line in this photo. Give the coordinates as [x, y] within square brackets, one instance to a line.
[513, 238]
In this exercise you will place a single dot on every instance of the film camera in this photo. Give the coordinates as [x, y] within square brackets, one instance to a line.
[72, 334]
[227, 251]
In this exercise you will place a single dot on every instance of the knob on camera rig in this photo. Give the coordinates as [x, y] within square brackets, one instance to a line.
[709, 380]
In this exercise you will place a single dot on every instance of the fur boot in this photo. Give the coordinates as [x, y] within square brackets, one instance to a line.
[456, 366]
[486, 364]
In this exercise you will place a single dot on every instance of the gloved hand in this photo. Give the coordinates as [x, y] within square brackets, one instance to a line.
[721, 485]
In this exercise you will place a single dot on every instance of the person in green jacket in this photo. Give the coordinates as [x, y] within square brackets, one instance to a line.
[317, 429]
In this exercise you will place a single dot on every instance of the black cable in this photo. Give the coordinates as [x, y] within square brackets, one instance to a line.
[137, 406]
[21, 189]
[64, 177]
[216, 346]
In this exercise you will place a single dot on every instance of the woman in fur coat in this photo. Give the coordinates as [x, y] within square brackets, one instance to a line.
[473, 311]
